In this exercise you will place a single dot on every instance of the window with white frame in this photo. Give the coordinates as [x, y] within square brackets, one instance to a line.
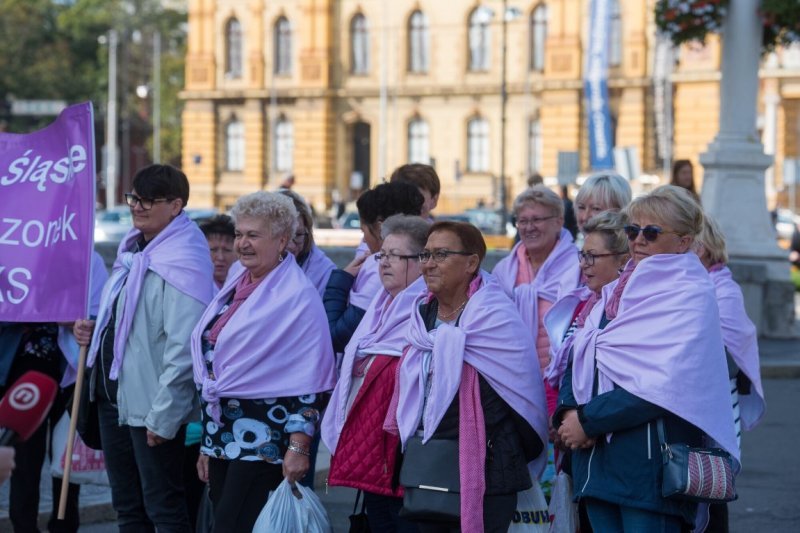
[538, 38]
[284, 145]
[418, 145]
[234, 145]
[283, 46]
[359, 45]
[479, 39]
[615, 36]
[418, 42]
[534, 145]
[233, 49]
[478, 145]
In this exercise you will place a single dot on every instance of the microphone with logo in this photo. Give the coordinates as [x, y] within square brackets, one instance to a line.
[25, 406]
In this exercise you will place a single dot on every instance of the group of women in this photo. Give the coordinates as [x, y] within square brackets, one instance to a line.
[582, 349]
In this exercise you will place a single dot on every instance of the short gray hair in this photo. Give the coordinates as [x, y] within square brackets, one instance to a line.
[276, 210]
[607, 188]
[539, 194]
[413, 227]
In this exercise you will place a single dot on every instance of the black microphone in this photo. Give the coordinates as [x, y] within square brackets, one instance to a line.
[25, 406]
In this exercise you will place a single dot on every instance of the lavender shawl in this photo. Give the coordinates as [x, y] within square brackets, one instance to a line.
[381, 331]
[558, 274]
[492, 339]
[557, 321]
[276, 344]
[739, 337]
[664, 346]
[178, 254]
[367, 284]
[318, 268]
[66, 340]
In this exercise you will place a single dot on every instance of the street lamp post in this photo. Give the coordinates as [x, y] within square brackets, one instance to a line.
[503, 105]
[111, 123]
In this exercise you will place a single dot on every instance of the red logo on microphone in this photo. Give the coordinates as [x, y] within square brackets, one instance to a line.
[24, 396]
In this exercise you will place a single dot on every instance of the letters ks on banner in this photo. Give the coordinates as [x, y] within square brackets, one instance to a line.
[47, 219]
[601, 141]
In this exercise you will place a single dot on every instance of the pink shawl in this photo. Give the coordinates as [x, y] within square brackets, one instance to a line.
[276, 344]
[664, 346]
[739, 337]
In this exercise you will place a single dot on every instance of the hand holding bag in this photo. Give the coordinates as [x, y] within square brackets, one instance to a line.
[696, 474]
[431, 478]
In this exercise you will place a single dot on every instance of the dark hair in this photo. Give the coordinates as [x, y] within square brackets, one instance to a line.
[304, 212]
[676, 167]
[221, 225]
[161, 181]
[422, 176]
[389, 199]
[471, 237]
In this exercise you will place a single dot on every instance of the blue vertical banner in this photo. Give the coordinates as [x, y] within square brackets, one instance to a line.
[595, 81]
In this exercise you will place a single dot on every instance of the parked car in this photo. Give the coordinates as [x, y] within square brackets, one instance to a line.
[111, 225]
[786, 223]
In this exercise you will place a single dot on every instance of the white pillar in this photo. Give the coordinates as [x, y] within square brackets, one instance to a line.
[733, 183]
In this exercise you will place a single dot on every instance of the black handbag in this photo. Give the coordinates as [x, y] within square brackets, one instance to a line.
[431, 478]
[88, 423]
[358, 520]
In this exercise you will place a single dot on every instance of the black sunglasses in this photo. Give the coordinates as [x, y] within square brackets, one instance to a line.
[650, 233]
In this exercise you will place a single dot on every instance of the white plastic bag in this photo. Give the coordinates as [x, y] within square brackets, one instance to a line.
[88, 465]
[286, 512]
[531, 514]
[563, 511]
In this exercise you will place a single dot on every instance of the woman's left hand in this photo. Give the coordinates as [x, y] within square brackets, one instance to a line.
[571, 431]
[295, 466]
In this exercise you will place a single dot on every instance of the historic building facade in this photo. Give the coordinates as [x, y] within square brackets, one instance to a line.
[339, 93]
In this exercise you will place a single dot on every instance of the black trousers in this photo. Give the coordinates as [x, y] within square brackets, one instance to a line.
[239, 490]
[498, 511]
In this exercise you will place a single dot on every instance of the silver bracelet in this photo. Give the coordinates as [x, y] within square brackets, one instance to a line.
[298, 449]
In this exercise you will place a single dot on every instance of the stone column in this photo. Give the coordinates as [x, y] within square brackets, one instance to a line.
[733, 186]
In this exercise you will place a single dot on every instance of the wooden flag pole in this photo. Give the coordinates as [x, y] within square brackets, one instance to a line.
[73, 427]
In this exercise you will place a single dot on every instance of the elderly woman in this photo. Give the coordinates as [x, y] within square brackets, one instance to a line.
[219, 233]
[360, 401]
[649, 356]
[604, 254]
[350, 290]
[600, 192]
[261, 398]
[312, 260]
[469, 384]
[540, 268]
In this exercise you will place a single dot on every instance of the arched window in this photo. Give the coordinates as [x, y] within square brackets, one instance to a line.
[534, 145]
[479, 39]
[418, 151]
[233, 49]
[615, 36]
[234, 145]
[478, 145]
[283, 46]
[284, 145]
[359, 45]
[418, 43]
[538, 37]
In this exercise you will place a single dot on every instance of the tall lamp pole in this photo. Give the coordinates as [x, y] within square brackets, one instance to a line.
[111, 123]
[503, 105]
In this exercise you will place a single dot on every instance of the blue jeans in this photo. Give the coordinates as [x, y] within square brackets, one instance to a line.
[611, 518]
[146, 482]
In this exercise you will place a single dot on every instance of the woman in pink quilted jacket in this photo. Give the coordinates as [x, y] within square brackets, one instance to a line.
[364, 456]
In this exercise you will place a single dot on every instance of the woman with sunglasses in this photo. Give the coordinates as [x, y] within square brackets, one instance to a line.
[650, 353]
[354, 419]
[312, 260]
[469, 381]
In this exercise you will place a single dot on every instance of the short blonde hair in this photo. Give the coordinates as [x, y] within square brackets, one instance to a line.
[610, 224]
[539, 194]
[607, 188]
[276, 210]
[672, 206]
[713, 240]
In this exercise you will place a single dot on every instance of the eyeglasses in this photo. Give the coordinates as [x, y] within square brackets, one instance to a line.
[533, 221]
[300, 238]
[440, 255]
[589, 258]
[146, 203]
[650, 233]
[393, 258]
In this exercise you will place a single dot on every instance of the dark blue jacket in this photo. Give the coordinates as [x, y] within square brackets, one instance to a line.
[343, 318]
[627, 470]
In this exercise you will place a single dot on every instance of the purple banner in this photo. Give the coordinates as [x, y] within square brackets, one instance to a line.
[47, 219]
